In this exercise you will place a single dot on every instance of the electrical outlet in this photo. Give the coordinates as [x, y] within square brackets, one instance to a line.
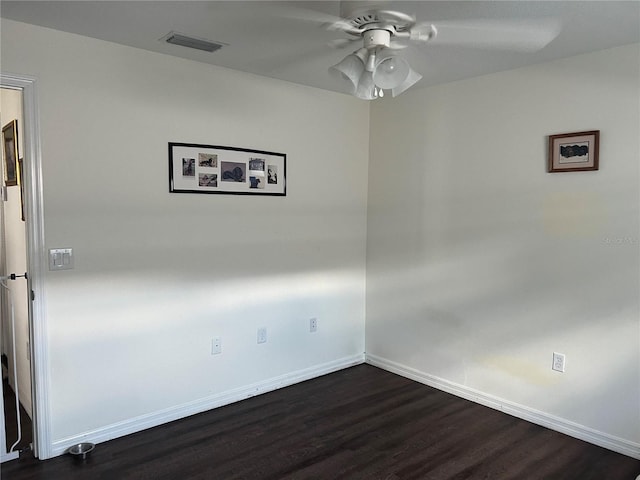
[216, 346]
[313, 324]
[262, 335]
[558, 362]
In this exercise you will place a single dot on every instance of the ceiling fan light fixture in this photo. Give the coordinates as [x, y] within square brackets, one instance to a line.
[391, 72]
[412, 78]
[376, 67]
[352, 66]
[366, 87]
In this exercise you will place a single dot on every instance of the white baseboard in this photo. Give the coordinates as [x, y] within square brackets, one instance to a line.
[143, 422]
[552, 422]
[7, 457]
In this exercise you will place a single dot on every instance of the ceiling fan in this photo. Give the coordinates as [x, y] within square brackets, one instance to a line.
[378, 65]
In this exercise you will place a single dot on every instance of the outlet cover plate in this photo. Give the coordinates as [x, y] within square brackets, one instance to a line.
[262, 335]
[559, 362]
[216, 346]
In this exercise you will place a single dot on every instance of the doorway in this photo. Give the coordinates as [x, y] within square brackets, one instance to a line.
[33, 344]
[14, 292]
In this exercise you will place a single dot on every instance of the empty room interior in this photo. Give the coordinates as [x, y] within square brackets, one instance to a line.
[201, 227]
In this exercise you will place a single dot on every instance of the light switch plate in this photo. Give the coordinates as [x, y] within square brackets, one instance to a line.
[60, 259]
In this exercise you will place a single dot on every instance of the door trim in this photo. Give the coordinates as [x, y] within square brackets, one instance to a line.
[36, 262]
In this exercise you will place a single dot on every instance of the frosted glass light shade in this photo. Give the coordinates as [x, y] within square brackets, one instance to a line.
[365, 87]
[412, 78]
[351, 67]
[391, 72]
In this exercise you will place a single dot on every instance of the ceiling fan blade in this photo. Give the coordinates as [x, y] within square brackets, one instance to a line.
[288, 58]
[398, 44]
[343, 42]
[321, 13]
[513, 35]
[312, 12]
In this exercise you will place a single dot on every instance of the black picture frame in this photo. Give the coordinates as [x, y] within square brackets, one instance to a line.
[201, 168]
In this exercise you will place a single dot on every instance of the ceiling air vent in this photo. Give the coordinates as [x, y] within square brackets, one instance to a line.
[191, 42]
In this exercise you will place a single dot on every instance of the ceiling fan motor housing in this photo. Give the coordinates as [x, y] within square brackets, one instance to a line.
[376, 38]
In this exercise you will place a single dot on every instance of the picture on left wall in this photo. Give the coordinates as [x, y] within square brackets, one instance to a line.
[198, 168]
[10, 153]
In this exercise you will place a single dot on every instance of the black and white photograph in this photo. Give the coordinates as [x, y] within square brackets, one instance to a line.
[574, 152]
[215, 169]
[208, 179]
[256, 182]
[272, 172]
[256, 166]
[233, 171]
[188, 167]
[208, 160]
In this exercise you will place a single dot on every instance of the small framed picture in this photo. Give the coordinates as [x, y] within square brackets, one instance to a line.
[10, 151]
[574, 152]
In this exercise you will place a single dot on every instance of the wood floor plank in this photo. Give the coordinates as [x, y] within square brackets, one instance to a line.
[359, 423]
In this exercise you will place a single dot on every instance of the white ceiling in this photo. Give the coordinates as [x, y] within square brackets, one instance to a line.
[285, 40]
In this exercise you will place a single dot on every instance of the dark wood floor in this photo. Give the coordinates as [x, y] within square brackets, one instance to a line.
[359, 423]
[10, 420]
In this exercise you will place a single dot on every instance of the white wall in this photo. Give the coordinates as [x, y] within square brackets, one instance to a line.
[480, 264]
[14, 252]
[157, 275]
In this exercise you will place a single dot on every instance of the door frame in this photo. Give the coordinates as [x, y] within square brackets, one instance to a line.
[36, 262]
